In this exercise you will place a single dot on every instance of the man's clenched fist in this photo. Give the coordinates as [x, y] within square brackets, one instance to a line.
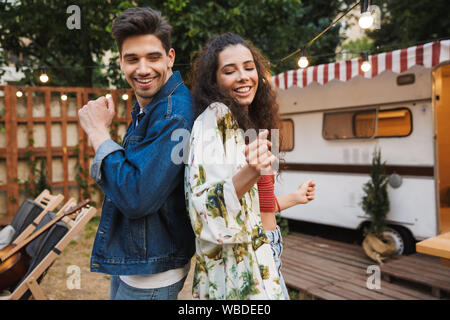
[96, 118]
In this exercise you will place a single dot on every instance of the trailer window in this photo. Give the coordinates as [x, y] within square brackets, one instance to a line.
[344, 125]
[394, 123]
[287, 135]
[390, 123]
[362, 124]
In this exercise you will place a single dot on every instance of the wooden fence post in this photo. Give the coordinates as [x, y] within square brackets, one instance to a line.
[12, 152]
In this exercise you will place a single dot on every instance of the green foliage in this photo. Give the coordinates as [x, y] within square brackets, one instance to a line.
[91, 227]
[82, 179]
[41, 182]
[276, 27]
[283, 223]
[404, 23]
[355, 47]
[293, 294]
[3, 61]
[36, 30]
[375, 203]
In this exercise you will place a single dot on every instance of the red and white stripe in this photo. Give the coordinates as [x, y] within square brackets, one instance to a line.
[427, 55]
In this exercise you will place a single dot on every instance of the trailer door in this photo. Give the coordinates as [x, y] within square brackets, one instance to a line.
[441, 99]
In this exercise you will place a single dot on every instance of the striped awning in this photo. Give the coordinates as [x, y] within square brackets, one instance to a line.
[427, 55]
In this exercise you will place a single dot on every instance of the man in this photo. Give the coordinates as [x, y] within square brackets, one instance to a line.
[144, 240]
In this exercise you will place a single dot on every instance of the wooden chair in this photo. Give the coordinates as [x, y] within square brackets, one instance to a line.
[49, 202]
[75, 226]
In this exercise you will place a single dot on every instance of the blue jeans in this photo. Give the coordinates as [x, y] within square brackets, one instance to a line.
[276, 244]
[122, 291]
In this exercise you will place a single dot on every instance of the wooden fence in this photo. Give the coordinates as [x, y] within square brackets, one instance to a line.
[41, 126]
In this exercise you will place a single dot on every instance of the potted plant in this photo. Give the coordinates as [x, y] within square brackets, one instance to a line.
[375, 203]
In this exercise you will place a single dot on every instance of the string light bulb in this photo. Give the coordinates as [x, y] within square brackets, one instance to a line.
[365, 19]
[19, 94]
[365, 66]
[43, 77]
[63, 97]
[108, 95]
[303, 62]
[125, 96]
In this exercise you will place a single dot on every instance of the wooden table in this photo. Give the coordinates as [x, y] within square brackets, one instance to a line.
[437, 246]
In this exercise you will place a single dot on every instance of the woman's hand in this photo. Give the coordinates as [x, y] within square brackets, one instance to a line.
[259, 160]
[305, 192]
[257, 154]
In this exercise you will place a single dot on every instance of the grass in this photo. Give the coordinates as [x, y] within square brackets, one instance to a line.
[91, 227]
[295, 294]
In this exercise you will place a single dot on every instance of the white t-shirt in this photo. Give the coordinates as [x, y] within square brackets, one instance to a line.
[137, 118]
[157, 280]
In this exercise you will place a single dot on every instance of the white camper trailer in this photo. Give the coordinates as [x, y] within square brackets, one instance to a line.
[334, 116]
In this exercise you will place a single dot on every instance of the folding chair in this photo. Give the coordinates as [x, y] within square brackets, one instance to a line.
[28, 216]
[44, 253]
[21, 221]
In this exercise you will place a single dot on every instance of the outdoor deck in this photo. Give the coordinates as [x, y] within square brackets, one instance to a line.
[335, 270]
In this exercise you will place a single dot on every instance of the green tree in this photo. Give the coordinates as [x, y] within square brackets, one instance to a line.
[376, 200]
[404, 23]
[355, 47]
[276, 27]
[37, 31]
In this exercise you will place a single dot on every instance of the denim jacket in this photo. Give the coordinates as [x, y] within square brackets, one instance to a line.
[144, 227]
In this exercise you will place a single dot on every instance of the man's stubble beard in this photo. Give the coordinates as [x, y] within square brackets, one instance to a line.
[148, 96]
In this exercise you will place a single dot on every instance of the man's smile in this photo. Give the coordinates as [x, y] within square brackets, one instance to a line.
[144, 82]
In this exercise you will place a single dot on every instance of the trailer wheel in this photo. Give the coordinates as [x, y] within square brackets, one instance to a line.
[402, 238]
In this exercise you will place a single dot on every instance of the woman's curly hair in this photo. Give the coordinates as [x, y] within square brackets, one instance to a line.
[262, 112]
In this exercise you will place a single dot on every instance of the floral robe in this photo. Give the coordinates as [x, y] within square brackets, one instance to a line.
[233, 257]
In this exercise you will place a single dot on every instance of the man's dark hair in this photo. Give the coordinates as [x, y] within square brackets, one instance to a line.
[141, 21]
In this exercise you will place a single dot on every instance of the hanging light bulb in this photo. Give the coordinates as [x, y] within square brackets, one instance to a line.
[365, 66]
[366, 18]
[108, 95]
[43, 77]
[125, 96]
[303, 62]
[63, 97]
[19, 94]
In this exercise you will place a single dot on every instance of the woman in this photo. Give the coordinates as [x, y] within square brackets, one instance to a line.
[234, 256]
